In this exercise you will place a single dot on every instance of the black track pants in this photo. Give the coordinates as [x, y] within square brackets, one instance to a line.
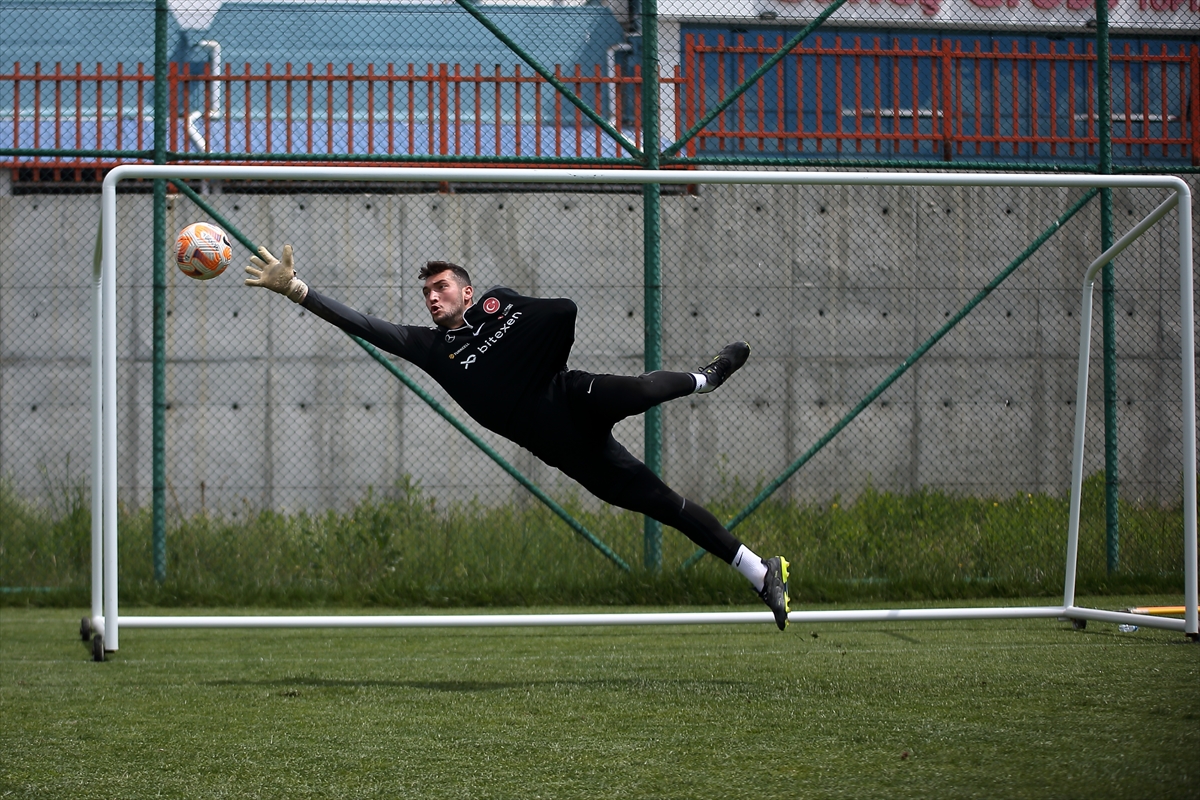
[646, 494]
[610, 472]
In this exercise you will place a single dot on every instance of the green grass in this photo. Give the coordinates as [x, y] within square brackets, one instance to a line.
[404, 548]
[999, 709]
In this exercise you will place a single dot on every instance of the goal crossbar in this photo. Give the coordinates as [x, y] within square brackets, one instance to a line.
[106, 619]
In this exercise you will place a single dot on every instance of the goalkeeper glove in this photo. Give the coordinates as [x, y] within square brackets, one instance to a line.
[276, 275]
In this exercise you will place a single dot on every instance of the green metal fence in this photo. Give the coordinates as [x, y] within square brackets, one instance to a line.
[905, 340]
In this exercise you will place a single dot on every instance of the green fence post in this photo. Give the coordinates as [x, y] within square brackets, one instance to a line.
[1108, 288]
[651, 264]
[159, 370]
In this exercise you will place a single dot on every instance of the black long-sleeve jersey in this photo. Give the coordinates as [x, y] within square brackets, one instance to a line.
[506, 366]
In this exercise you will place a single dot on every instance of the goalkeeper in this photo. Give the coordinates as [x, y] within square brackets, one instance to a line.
[503, 358]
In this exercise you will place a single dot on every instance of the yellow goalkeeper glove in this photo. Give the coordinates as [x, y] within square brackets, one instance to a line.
[275, 274]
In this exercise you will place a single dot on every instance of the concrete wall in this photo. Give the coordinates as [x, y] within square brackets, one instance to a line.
[833, 287]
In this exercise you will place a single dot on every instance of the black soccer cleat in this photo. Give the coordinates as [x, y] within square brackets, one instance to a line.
[775, 591]
[724, 364]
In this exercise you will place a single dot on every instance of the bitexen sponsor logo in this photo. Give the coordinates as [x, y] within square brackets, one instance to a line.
[491, 340]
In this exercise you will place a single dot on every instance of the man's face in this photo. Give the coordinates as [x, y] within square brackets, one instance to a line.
[446, 300]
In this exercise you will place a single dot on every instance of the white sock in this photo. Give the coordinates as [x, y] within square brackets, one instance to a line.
[701, 381]
[751, 566]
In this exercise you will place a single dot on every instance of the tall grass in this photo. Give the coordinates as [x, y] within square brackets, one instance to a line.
[44, 546]
[407, 549]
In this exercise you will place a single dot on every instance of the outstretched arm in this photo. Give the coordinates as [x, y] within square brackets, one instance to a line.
[279, 275]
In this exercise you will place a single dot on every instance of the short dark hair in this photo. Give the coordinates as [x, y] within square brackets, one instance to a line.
[436, 267]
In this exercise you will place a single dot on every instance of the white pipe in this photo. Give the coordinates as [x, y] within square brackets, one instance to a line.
[1128, 239]
[1081, 386]
[97, 438]
[433, 174]
[214, 108]
[636, 619]
[1081, 390]
[1125, 618]
[450, 620]
[1085, 343]
[549, 620]
[611, 52]
[1188, 360]
[108, 428]
[599, 176]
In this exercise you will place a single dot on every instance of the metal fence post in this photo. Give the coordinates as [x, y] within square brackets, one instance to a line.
[159, 377]
[1104, 105]
[1194, 71]
[651, 264]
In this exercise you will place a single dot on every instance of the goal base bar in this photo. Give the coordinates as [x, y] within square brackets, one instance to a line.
[669, 618]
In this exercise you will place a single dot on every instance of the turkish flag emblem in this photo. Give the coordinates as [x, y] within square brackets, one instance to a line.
[491, 305]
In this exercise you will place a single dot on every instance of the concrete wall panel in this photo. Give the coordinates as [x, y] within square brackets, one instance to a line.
[833, 287]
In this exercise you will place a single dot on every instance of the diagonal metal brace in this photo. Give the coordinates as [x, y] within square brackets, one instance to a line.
[767, 66]
[571, 97]
[429, 400]
[900, 370]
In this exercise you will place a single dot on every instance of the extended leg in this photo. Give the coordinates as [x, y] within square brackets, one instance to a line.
[649, 495]
[605, 400]
[615, 476]
[638, 489]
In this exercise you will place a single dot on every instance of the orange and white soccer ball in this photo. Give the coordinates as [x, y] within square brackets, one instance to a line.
[202, 251]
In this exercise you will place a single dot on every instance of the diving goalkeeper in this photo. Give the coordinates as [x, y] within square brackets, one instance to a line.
[504, 360]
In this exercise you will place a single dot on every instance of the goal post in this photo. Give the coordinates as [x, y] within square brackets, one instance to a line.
[107, 621]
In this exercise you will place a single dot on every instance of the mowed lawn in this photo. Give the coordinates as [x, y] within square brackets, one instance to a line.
[964, 709]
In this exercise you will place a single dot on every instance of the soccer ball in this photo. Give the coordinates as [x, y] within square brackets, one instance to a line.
[202, 251]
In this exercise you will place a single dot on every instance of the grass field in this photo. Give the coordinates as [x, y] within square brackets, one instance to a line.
[965, 709]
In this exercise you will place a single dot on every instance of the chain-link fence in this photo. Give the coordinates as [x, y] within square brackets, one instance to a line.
[1011, 84]
[267, 408]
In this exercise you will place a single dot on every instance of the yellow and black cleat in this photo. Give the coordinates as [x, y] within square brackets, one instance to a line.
[725, 363]
[775, 589]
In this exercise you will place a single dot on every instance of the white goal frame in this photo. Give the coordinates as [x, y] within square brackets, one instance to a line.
[106, 620]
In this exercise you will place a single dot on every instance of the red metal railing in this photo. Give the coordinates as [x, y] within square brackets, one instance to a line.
[440, 110]
[71, 121]
[937, 101]
[1187, 67]
[437, 111]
